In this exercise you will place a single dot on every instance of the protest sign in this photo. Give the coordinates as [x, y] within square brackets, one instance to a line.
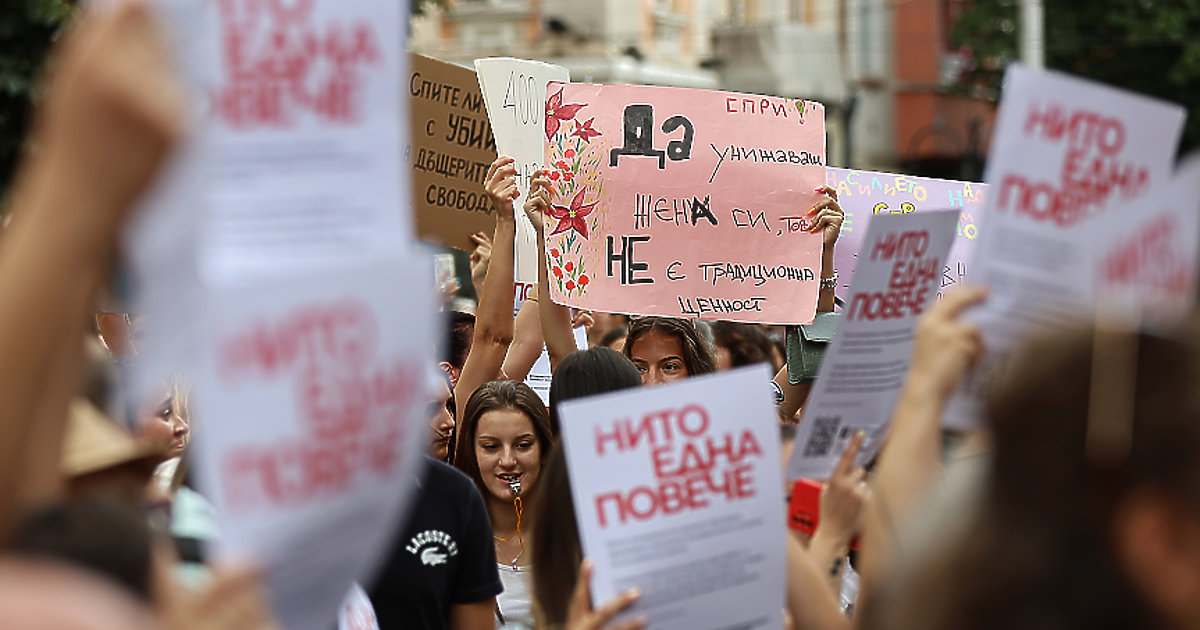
[540, 375]
[304, 162]
[514, 91]
[1067, 153]
[899, 272]
[452, 148]
[271, 265]
[312, 393]
[1146, 266]
[684, 203]
[677, 492]
[864, 194]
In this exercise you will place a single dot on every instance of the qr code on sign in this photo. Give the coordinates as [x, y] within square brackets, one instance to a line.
[821, 439]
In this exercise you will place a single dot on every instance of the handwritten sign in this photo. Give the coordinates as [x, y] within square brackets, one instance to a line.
[1146, 267]
[452, 148]
[899, 272]
[514, 91]
[311, 392]
[677, 492]
[684, 203]
[1067, 154]
[865, 194]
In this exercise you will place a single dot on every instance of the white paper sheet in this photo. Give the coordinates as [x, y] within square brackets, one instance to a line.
[312, 395]
[514, 91]
[1146, 267]
[899, 272]
[677, 492]
[540, 375]
[1066, 154]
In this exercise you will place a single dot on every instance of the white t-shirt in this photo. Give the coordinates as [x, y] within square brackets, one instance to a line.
[515, 603]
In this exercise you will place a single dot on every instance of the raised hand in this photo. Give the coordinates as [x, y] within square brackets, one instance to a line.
[946, 347]
[580, 615]
[538, 203]
[501, 187]
[829, 217]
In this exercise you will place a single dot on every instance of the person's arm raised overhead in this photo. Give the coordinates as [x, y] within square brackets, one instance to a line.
[493, 317]
[827, 217]
[556, 318]
[112, 113]
[944, 349]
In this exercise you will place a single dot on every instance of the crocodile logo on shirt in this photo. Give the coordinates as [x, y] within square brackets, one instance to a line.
[433, 546]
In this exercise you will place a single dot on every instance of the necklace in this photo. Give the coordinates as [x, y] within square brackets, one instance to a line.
[518, 507]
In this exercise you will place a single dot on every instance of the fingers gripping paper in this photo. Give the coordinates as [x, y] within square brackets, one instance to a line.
[684, 203]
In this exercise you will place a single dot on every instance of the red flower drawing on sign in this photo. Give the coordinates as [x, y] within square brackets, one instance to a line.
[558, 272]
[584, 280]
[585, 131]
[570, 285]
[573, 218]
[557, 113]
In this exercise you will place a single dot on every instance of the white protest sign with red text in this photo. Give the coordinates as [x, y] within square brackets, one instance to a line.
[899, 272]
[1067, 154]
[312, 394]
[1146, 266]
[677, 492]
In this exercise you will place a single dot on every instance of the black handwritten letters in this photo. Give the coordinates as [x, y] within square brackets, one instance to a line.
[628, 266]
[639, 137]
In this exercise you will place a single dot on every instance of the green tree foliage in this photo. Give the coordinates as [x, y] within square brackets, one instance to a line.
[26, 29]
[1149, 46]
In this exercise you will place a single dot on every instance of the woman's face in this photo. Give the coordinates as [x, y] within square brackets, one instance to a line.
[659, 358]
[164, 428]
[441, 424]
[507, 449]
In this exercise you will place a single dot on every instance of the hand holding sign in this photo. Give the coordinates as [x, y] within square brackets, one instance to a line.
[501, 187]
[581, 616]
[945, 346]
[829, 217]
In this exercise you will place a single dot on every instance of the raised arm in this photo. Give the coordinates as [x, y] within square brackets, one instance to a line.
[910, 462]
[527, 342]
[556, 318]
[493, 317]
[827, 217]
[112, 113]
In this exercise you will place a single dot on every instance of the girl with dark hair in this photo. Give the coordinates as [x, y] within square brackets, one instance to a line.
[665, 349]
[556, 550]
[506, 435]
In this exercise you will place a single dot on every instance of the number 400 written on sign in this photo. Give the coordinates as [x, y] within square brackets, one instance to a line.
[526, 108]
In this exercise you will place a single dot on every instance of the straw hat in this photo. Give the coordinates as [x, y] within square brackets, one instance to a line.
[94, 443]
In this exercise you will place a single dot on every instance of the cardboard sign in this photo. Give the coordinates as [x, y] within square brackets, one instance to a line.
[677, 492]
[684, 203]
[514, 91]
[312, 393]
[1146, 268]
[899, 272]
[452, 148]
[864, 194]
[1067, 154]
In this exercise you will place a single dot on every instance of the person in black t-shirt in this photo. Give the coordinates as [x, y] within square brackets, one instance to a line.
[441, 573]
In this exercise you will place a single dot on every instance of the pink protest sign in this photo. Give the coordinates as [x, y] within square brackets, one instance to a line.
[684, 203]
[864, 194]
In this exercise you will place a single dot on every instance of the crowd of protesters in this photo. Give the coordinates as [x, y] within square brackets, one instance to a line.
[1077, 506]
